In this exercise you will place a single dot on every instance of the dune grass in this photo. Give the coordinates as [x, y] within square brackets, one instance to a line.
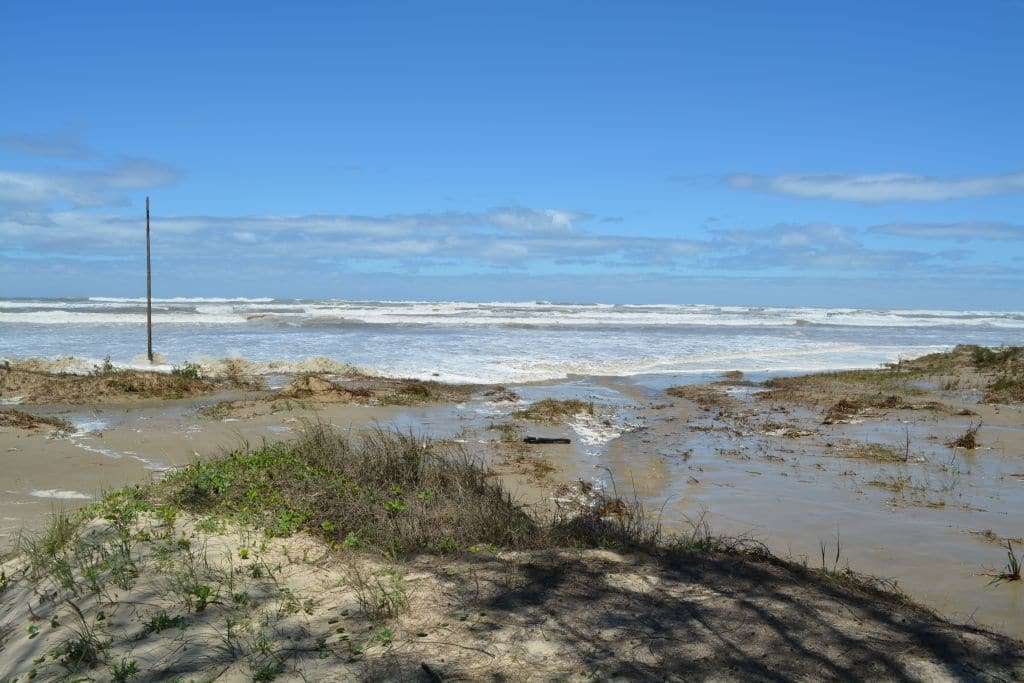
[107, 383]
[552, 410]
[383, 490]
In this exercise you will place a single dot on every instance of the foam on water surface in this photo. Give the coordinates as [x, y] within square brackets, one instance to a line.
[60, 494]
[485, 342]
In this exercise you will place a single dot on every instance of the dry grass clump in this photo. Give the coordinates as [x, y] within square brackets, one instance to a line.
[316, 386]
[1001, 358]
[968, 440]
[1005, 367]
[879, 452]
[841, 411]
[1011, 570]
[704, 395]
[370, 390]
[107, 383]
[1006, 388]
[999, 371]
[413, 391]
[853, 390]
[508, 432]
[553, 410]
[22, 420]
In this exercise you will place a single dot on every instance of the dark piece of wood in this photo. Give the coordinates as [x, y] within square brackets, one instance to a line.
[149, 292]
[545, 439]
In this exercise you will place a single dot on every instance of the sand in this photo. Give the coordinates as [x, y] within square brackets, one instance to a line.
[760, 462]
[219, 602]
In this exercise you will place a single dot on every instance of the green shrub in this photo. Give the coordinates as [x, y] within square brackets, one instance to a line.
[381, 490]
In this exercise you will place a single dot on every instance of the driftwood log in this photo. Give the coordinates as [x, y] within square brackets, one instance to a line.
[545, 439]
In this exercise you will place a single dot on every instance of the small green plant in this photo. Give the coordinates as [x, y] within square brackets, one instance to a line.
[210, 525]
[124, 670]
[188, 371]
[104, 368]
[199, 596]
[161, 621]
[384, 636]
[1011, 570]
[830, 565]
[994, 358]
[269, 670]
[84, 651]
[380, 596]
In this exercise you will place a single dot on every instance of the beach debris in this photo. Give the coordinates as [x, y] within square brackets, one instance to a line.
[19, 419]
[553, 410]
[501, 394]
[841, 411]
[545, 439]
[706, 396]
[968, 440]
[585, 499]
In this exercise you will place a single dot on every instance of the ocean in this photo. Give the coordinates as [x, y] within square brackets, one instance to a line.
[488, 342]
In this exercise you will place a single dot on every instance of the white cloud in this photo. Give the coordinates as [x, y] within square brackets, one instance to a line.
[884, 187]
[964, 231]
[500, 237]
[97, 187]
[809, 246]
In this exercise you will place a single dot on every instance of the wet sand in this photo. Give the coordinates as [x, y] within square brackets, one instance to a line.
[917, 522]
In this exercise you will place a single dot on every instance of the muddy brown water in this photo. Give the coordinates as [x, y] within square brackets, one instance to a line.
[792, 493]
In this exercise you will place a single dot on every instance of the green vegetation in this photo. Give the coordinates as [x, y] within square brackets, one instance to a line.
[552, 410]
[394, 492]
[1006, 388]
[188, 371]
[1011, 570]
[380, 596]
[195, 549]
[996, 358]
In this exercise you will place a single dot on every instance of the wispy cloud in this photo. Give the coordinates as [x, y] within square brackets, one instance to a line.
[74, 215]
[963, 231]
[96, 187]
[65, 144]
[818, 246]
[884, 187]
[486, 237]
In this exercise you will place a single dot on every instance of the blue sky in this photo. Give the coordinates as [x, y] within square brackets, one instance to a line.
[850, 154]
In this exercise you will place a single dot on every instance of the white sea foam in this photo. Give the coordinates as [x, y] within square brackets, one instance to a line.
[240, 311]
[483, 342]
[60, 494]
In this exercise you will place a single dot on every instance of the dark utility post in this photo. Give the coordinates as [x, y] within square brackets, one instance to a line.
[149, 292]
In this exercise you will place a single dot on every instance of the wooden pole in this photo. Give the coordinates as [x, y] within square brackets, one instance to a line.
[149, 292]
